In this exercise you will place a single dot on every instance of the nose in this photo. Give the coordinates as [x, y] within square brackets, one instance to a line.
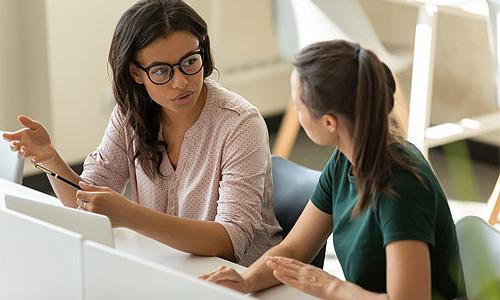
[179, 80]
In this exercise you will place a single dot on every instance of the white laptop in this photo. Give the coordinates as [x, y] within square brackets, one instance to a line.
[91, 226]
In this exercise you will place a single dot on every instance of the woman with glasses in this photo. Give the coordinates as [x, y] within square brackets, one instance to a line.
[195, 154]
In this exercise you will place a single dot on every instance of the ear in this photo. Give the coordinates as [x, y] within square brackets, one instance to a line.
[330, 122]
[135, 74]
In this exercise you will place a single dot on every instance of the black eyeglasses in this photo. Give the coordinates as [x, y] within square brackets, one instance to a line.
[161, 73]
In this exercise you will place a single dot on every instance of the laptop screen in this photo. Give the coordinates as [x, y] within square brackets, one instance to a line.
[91, 226]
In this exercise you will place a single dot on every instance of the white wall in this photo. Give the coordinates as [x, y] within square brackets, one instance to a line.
[78, 38]
[246, 52]
[12, 88]
[53, 61]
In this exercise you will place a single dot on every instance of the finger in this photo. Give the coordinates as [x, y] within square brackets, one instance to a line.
[287, 260]
[90, 187]
[284, 269]
[228, 275]
[17, 136]
[21, 153]
[285, 279]
[14, 146]
[238, 286]
[27, 122]
[275, 262]
[221, 267]
[85, 196]
[7, 136]
[205, 276]
[79, 202]
[25, 151]
[10, 136]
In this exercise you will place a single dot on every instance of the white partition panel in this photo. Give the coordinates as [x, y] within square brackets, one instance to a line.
[38, 260]
[111, 274]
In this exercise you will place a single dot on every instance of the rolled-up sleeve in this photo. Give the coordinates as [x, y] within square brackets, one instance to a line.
[108, 164]
[241, 189]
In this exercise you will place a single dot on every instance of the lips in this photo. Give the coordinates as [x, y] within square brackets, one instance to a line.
[182, 96]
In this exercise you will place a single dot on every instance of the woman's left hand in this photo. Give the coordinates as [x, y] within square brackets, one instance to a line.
[105, 201]
[307, 278]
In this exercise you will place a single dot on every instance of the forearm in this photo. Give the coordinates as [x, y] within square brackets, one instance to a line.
[63, 191]
[344, 290]
[259, 276]
[205, 238]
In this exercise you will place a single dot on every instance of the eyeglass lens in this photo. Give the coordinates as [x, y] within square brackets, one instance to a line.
[190, 65]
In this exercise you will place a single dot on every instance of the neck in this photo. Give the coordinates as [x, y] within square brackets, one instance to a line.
[346, 145]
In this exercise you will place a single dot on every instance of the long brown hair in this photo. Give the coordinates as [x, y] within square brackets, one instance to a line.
[139, 26]
[341, 78]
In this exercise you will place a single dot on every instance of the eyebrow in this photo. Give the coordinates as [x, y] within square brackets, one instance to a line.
[182, 57]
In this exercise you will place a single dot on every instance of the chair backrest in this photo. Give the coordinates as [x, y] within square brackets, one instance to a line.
[302, 22]
[11, 167]
[493, 205]
[480, 255]
[293, 187]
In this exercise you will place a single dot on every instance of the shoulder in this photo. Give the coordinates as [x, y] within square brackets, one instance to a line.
[423, 177]
[227, 102]
[411, 189]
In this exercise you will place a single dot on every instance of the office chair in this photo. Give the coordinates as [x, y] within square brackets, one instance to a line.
[479, 245]
[11, 167]
[293, 187]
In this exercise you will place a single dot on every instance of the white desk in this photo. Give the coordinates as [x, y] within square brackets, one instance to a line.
[141, 246]
[7, 187]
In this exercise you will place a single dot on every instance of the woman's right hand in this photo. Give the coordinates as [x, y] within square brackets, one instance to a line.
[31, 141]
[228, 277]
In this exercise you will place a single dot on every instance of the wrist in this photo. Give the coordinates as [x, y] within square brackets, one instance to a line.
[248, 283]
[53, 158]
[333, 288]
[133, 216]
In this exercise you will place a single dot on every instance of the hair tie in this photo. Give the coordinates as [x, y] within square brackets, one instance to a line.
[356, 53]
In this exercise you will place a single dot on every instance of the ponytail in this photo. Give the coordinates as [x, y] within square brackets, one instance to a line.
[373, 102]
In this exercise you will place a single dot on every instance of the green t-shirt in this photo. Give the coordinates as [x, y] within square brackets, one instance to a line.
[418, 213]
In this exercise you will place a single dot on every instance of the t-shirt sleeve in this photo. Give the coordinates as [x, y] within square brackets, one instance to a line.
[411, 214]
[323, 193]
[108, 164]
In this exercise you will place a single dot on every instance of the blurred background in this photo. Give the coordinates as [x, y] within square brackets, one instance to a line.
[53, 67]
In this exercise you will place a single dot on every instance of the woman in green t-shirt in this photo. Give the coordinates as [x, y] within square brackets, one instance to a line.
[392, 227]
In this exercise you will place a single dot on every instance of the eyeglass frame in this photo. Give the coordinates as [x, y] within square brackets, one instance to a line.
[179, 63]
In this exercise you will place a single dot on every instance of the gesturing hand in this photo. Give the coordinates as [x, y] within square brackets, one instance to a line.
[309, 279]
[31, 141]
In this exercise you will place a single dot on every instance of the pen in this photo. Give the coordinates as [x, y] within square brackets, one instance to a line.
[55, 175]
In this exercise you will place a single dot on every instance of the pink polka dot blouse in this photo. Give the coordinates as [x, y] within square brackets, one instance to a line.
[223, 173]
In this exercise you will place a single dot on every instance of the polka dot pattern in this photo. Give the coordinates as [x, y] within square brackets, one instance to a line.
[223, 173]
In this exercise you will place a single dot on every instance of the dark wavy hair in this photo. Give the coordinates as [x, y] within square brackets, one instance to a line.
[339, 77]
[139, 26]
